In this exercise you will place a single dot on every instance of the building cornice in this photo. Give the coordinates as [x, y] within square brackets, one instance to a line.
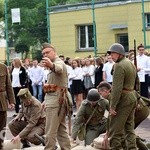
[88, 5]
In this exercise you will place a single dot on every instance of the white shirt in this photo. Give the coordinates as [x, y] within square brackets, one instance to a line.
[91, 71]
[15, 77]
[107, 69]
[76, 74]
[36, 75]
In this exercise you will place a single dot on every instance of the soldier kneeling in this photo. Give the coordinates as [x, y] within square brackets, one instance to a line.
[29, 121]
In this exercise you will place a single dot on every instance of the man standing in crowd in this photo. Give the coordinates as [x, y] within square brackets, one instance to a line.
[55, 90]
[143, 68]
[29, 121]
[36, 75]
[6, 90]
[123, 100]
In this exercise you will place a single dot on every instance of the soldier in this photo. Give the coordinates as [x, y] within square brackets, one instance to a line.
[6, 90]
[55, 100]
[141, 112]
[30, 120]
[96, 125]
[123, 100]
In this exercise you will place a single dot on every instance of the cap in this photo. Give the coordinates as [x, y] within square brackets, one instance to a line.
[24, 94]
[47, 45]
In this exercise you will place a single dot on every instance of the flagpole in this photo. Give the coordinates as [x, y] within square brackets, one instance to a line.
[6, 33]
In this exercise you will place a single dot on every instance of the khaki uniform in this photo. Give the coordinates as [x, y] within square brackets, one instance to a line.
[32, 120]
[123, 100]
[6, 91]
[96, 125]
[55, 123]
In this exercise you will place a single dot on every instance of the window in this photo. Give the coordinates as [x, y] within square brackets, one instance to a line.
[147, 19]
[123, 39]
[85, 33]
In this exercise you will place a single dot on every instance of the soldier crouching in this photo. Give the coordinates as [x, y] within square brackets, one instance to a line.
[29, 121]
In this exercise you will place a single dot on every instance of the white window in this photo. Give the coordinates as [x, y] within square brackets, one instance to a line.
[147, 19]
[86, 41]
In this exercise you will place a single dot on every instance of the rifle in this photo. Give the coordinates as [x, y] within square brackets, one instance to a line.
[135, 60]
[137, 82]
[40, 138]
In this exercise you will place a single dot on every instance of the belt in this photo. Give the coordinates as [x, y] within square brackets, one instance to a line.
[52, 88]
[127, 90]
[2, 90]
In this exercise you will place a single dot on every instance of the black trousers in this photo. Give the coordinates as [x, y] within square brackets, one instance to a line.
[16, 90]
[3, 119]
[144, 86]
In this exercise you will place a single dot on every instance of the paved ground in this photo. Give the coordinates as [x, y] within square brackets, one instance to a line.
[143, 130]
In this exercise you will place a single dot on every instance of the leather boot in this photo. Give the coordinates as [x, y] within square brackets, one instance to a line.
[25, 143]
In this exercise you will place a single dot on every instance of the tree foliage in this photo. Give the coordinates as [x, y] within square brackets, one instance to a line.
[32, 29]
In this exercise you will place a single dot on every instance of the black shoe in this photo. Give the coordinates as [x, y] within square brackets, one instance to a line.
[25, 144]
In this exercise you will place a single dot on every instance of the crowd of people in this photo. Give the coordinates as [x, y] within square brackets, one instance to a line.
[39, 92]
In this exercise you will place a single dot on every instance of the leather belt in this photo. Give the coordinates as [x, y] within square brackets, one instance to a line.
[127, 90]
[52, 88]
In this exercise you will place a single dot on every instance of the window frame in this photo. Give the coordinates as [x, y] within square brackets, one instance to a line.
[87, 43]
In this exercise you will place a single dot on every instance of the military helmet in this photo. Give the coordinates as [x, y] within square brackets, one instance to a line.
[117, 48]
[93, 95]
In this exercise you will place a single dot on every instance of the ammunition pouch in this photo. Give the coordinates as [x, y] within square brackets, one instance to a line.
[41, 121]
[51, 88]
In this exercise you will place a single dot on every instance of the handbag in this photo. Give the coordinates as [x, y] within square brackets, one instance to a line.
[82, 129]
[88, 82]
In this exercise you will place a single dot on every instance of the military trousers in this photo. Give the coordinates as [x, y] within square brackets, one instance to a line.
[93, 131]
[56, 129]
[17, 126]
[120, 124]
[3, 118]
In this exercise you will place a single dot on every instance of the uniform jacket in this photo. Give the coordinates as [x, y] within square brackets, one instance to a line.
[58, 76]
[6, 91]
[33, 114]
[84, 113]
[124, 77]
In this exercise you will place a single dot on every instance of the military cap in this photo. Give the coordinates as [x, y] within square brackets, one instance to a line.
[24, 94]
[47, 45]
[104, 84]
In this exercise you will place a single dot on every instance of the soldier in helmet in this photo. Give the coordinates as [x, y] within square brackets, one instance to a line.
[97, 122]
[30, 120]
[141, 112]
[123, 100]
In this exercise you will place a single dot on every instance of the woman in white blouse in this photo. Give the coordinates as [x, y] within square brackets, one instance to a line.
[77, 84]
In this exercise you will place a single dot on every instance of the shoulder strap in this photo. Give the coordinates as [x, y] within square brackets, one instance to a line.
[91, 115]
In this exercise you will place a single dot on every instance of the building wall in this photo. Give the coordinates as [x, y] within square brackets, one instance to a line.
[2, 54]
[64, 33]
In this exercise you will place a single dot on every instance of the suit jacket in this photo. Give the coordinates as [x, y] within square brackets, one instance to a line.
[6, 91]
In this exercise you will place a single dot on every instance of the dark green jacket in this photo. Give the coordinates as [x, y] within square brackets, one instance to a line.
[124, 77]
[84, 113]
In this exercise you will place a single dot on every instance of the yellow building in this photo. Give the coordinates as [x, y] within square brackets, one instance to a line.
[71, 26]
[2, 51]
